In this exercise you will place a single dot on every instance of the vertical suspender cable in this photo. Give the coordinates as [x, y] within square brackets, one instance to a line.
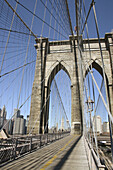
[105, 80]
[44, 18]
[55, 24]
[92, 80]
[51, 19]
[8, 37]
[69, 17]
[26, 54]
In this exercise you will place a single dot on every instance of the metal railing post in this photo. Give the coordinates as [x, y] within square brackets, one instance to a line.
[40, 141]
[30, 145]
[47, 138]
[15, 148]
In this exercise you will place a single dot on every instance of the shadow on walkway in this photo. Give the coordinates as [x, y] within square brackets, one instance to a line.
[63, 160]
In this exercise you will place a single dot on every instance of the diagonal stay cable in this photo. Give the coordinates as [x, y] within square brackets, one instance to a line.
[17, 68]
[69, 17]
[40, 19]
[59, 14]
[95, 135]
[27, 52]
[8, 37]
[99, 95]
[106, 106]
[53, 15]
[61, 99]
[91, 5]
[20, 18]
[105, 80]
[29, 95]
[19, 32]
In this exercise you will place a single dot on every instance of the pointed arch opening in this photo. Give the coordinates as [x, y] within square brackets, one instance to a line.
[99, 113]
[58, 97]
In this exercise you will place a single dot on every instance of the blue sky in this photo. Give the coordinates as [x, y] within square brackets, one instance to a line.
[103, 9]
[104, 15]
[10, 84]
[99, 107]
[57, 112]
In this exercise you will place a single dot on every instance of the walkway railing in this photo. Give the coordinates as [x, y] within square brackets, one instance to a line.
[94, 162]
[12, 148]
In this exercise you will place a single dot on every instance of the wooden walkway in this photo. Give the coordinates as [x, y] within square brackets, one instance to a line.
[64, 154]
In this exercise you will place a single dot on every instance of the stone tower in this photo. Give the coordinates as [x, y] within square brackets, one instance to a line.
[57, 55]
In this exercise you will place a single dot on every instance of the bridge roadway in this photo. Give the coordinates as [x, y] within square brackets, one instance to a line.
[65, 154]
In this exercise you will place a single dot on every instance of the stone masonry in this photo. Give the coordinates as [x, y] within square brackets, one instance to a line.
[57, 55]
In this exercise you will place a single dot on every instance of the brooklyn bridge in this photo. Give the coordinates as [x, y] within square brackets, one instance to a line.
[56, 85]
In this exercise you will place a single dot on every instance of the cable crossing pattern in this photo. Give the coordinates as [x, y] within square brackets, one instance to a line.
[54, 78]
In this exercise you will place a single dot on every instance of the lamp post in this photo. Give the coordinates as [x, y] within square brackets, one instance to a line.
[89, 103]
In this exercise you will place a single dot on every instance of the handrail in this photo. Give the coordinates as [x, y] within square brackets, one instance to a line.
[12, 148]
[95, 158]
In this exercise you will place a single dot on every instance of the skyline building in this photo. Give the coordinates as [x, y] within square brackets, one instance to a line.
[105, 127]
[97, 124]
[3, 114]
[62, 124]
[19, 123]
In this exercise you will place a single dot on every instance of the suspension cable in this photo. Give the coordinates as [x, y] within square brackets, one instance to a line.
[95, 135]
[69, 17]
[26, 53]
[105, 80]
[8, 37]
[40, 19]
[20, 18]
[86, 18]
[61, 100]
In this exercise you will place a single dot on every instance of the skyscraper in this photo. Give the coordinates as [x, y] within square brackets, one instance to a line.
[3, 114]
[62, 124]
[97, 124]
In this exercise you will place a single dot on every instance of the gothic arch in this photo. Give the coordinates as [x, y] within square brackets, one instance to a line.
[55, 70]
[97, 67]
[53, 73]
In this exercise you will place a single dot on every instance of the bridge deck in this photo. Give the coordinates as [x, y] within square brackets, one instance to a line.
[63, 154]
